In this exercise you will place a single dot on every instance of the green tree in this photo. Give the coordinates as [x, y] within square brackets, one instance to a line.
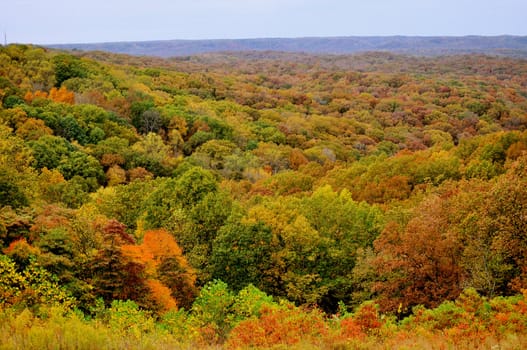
[70, 129]
[85, 166]
[68, 67]
[49, 150]
[10, 192]
[242, 255]
[344, 226]
[138, 108]
[213, 307]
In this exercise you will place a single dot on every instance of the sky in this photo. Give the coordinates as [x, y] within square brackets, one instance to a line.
[78, 21]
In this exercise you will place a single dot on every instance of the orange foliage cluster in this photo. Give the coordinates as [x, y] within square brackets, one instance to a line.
[162, 295]
[292, 326]
[57, 95]
[472, 322]
[158, 247]
[279, 327]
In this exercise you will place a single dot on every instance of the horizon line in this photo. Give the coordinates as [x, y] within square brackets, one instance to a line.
[280, 38]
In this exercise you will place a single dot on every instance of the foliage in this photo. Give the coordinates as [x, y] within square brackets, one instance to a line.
[31, 287]
[262, 200]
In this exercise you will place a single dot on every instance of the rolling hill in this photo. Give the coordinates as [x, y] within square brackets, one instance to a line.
[514, 46]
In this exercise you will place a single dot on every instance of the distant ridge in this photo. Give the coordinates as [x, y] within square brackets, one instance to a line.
[505, 45]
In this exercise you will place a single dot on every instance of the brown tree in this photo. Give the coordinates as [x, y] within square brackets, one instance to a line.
[418, 263]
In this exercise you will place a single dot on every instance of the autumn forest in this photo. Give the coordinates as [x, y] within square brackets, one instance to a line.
[262, 200]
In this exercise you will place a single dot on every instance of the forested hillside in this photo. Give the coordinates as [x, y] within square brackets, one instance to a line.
[259, 200]
[503, 45]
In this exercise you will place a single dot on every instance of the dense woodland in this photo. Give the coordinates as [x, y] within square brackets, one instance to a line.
[262, 199]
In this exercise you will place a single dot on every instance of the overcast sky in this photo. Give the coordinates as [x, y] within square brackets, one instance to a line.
[75, 21]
